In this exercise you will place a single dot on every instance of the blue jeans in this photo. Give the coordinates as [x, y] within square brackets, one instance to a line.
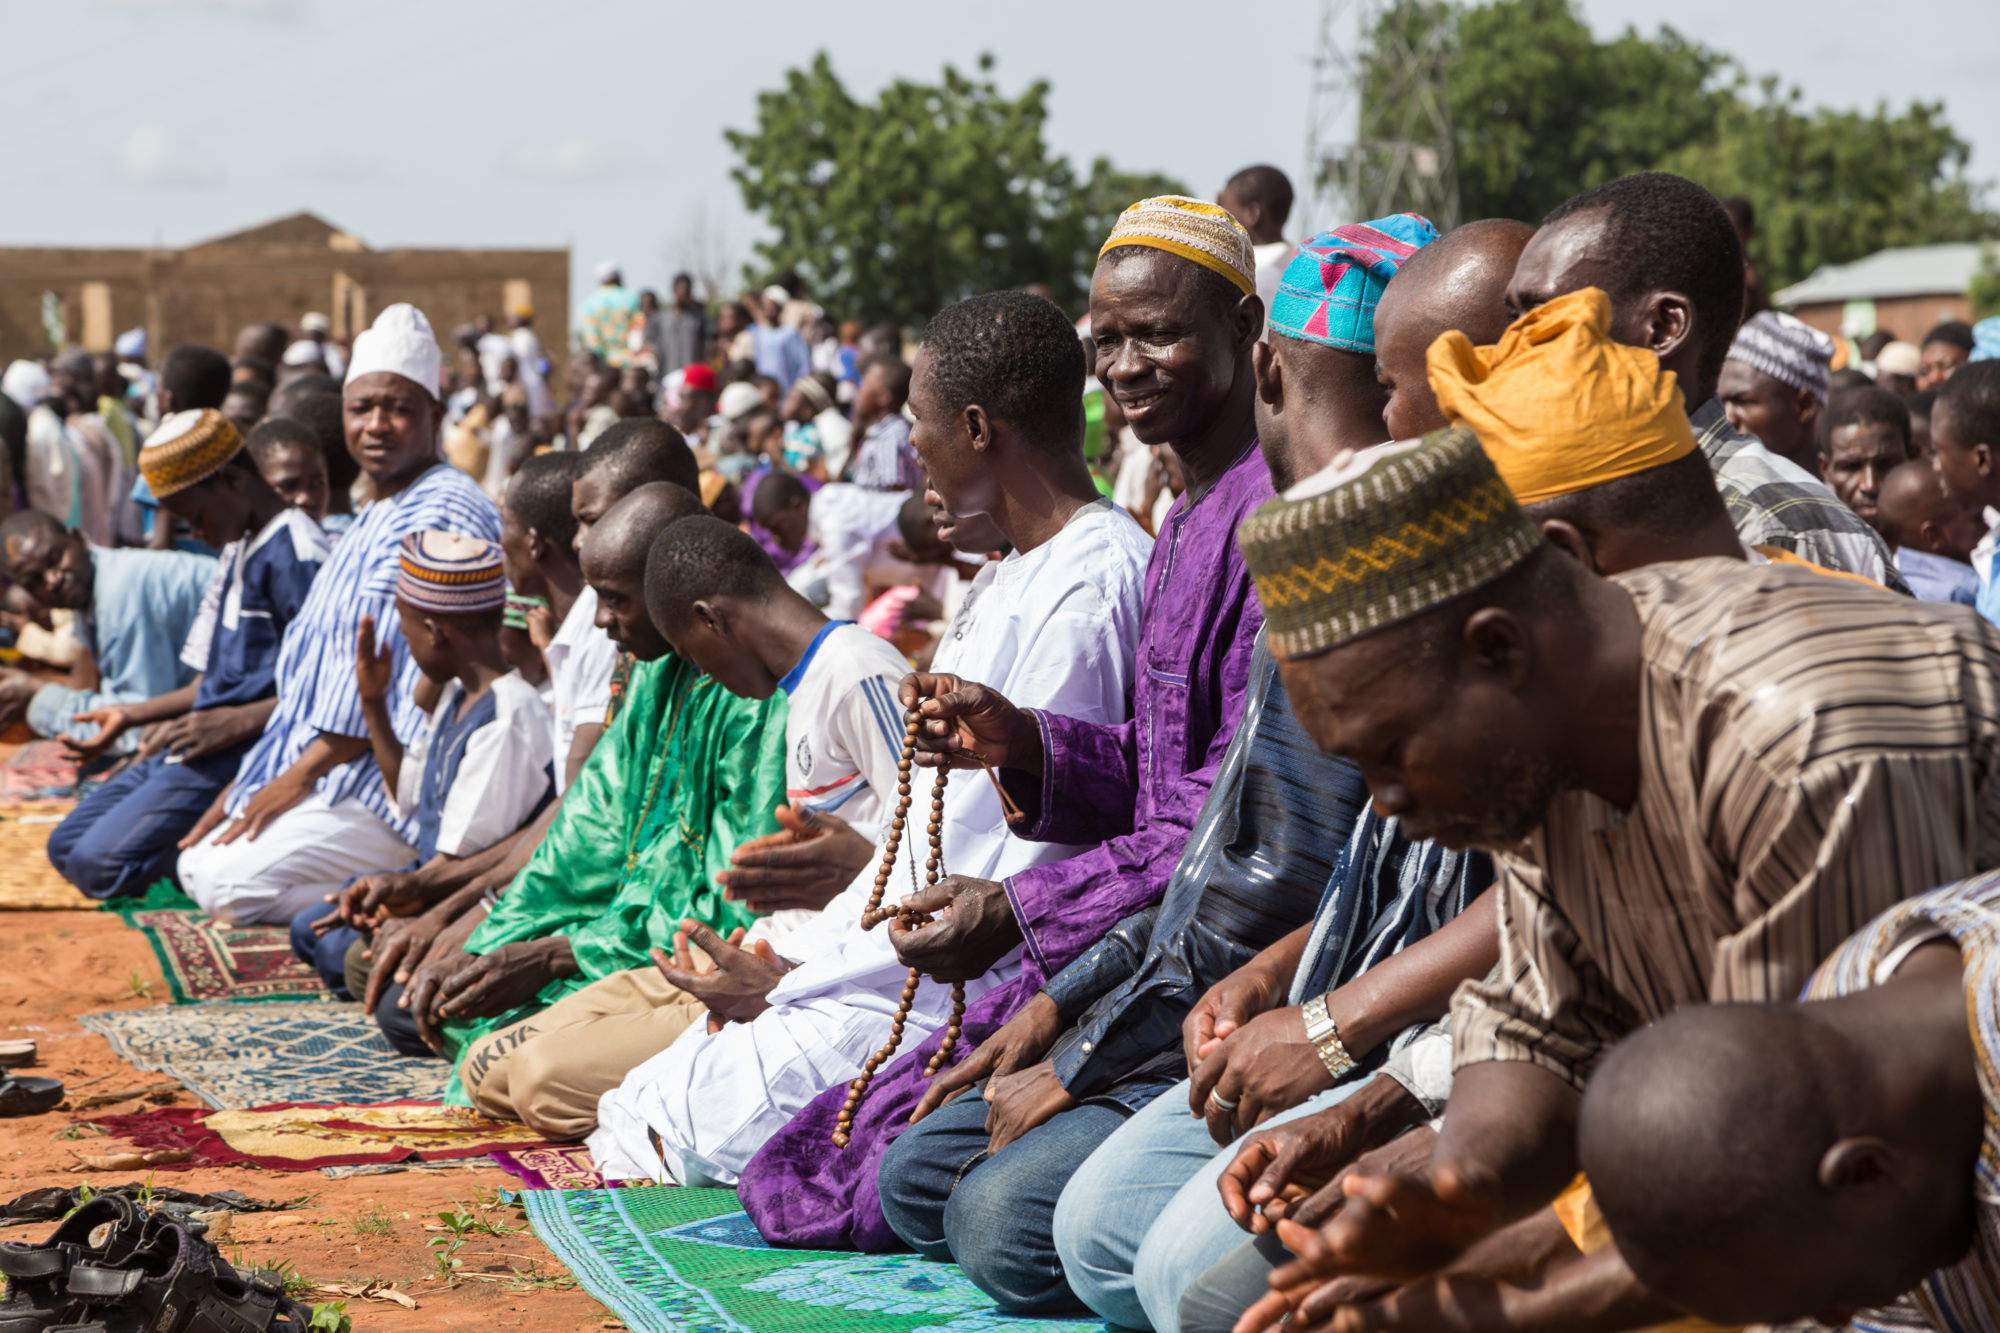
[126, 834]
[327, 953]
[1141, 1220]
[399, 1028]
[947, 1199]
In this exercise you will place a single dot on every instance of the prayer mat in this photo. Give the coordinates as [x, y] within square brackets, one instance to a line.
[556, 1167]
[206, 959]
[234, 1056]
[665, 1259]
[308, 1137]
[28, 883]
[39, 774]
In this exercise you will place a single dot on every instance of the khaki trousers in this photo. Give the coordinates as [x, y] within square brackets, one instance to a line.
[548, 1070]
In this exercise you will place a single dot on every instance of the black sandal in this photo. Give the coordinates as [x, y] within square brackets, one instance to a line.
[106, 1230]
[23, 1095]
[177, 1282]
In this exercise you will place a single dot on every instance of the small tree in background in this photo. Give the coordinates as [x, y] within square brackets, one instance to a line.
[894, 208]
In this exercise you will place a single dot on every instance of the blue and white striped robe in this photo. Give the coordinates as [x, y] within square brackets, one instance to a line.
[316, 688]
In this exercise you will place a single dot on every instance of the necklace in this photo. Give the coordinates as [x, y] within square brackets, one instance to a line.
[659, 774]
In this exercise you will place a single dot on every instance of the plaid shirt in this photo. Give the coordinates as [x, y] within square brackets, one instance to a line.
[1774, 502]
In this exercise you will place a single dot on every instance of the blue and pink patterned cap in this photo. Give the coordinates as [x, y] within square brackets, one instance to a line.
[1330, 288]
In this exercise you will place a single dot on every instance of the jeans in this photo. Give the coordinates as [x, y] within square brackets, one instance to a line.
[1141, 1220]
[127, 833]
[947, 1199]
[1217, 1299]
[399, 1027]
[327, 953]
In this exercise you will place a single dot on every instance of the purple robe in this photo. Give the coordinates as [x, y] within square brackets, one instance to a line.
[1137, 786]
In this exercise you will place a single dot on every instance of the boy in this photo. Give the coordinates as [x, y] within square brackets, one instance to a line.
[289, 457]
[1965, 450]
[1934, 535]
[127, 834]
[479, 768]
[847, 527]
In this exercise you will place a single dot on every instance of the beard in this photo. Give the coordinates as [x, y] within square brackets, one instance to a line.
[1521, 786]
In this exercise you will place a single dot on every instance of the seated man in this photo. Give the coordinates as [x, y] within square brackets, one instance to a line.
[1056, 621]
[686, 771]
[721, 604]
[1595, 700]
[428, 914]
[308, 809]
[1933, 534]
[127, 833]
[1132, 790]
[134, 611]
[1097, 1052]
[1780, 1162]
[478, 768]
[1663, 249]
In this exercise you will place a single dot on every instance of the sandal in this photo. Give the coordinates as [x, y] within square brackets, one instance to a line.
[21, 1095]
[107, 1229]
[177, 1282]
[16, 1053]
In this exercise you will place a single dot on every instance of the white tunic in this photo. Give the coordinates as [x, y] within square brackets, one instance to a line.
[582, 659]
[1053, 628]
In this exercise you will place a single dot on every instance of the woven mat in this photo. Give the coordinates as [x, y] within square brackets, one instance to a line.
[234, 1056]
[28, 883]
[205, 959]
[308, 1137]
[666, 1260]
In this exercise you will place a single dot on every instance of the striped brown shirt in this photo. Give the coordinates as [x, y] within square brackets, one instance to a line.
[1810, 753]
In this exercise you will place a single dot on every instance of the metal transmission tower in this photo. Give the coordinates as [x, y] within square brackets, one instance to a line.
[1378, 134]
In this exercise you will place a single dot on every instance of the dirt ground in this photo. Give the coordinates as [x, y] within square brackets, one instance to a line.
[56, 965]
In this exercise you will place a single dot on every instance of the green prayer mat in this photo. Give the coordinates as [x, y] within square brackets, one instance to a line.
[670, 1260]
[162, 895]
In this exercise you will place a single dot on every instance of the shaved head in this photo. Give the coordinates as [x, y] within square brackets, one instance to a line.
[614, 562]
[1915, 510]
[1458, 281]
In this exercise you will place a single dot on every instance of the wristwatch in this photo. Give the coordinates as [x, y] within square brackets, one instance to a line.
[1324, 1034]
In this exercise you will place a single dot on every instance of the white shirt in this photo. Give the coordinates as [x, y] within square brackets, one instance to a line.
[851, 526]
[502, 777]
[581, 661]
[1272, 259]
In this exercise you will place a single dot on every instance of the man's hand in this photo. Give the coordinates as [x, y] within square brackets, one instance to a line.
[373, 899]
[1228, 1005]
[399, 944]
[542, 627]
[806, 865]
[973, 929]
[423, 972]
[1297, 1169]
[373, 672]
[1264, 1067]
[736, 988]
[198, 735]
[274, 798]
[512, 974]
[111, 721]
[966, 725]
[1021, 1041]
[209, 818]
[1017, 1103]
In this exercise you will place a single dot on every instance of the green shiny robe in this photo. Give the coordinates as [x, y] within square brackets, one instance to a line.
[684, 773]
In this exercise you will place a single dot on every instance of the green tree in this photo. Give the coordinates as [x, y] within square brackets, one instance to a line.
[1984, 291]
[1541, 109]
[894, 208]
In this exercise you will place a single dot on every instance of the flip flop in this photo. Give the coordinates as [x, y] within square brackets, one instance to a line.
[21, 1095]
[15, 1054]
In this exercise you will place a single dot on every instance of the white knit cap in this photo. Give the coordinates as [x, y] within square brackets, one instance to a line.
[401, 342]
[314, 322]
[738, 398]
[303, 353]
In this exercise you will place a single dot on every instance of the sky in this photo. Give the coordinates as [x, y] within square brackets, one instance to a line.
[598, 125]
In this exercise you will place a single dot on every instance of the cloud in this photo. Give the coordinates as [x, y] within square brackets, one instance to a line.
[149, 156]
[573, 160]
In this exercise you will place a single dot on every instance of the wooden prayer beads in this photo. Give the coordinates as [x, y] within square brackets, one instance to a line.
[876, 914]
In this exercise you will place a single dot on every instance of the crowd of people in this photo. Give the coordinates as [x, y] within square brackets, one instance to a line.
[1464, 769]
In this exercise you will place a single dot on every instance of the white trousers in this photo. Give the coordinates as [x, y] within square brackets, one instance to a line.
[301, 856]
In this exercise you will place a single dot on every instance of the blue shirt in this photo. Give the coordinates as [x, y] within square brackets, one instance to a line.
[316, 689]
[143, 604]
[263, 587]
[1938, 578]
[780, 353]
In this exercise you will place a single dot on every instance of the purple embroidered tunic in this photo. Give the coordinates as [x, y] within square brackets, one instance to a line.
[1136, 788]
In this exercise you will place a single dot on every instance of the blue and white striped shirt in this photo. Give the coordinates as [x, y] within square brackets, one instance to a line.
[316, 689]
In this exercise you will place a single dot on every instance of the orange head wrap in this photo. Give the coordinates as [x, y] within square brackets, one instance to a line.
[1558, 406]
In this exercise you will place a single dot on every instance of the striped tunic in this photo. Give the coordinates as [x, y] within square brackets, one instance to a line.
[1966, 1296]
[1810, 753]
[316, 689]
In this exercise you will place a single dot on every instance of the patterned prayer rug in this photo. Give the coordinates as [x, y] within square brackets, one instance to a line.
[205, 959]
[234, 1056]
[556, 1167]
[667, 1260]
[39, 772]
[308, 1137]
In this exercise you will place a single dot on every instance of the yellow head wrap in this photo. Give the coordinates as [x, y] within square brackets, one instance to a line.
[1199, 232]
[1558, 406]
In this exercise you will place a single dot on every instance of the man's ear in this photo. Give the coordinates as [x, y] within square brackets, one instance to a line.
[1982, 458]
[1496, 642]
[1270, 376]
[1931, 533]
[1566, 537]
[1808, 402]
[712, 617]
[1857, 1164]
[1249, 319]
[978, 428]
[1669, 323]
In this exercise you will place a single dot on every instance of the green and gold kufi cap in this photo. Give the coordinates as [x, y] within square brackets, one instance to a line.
[1420, 527]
